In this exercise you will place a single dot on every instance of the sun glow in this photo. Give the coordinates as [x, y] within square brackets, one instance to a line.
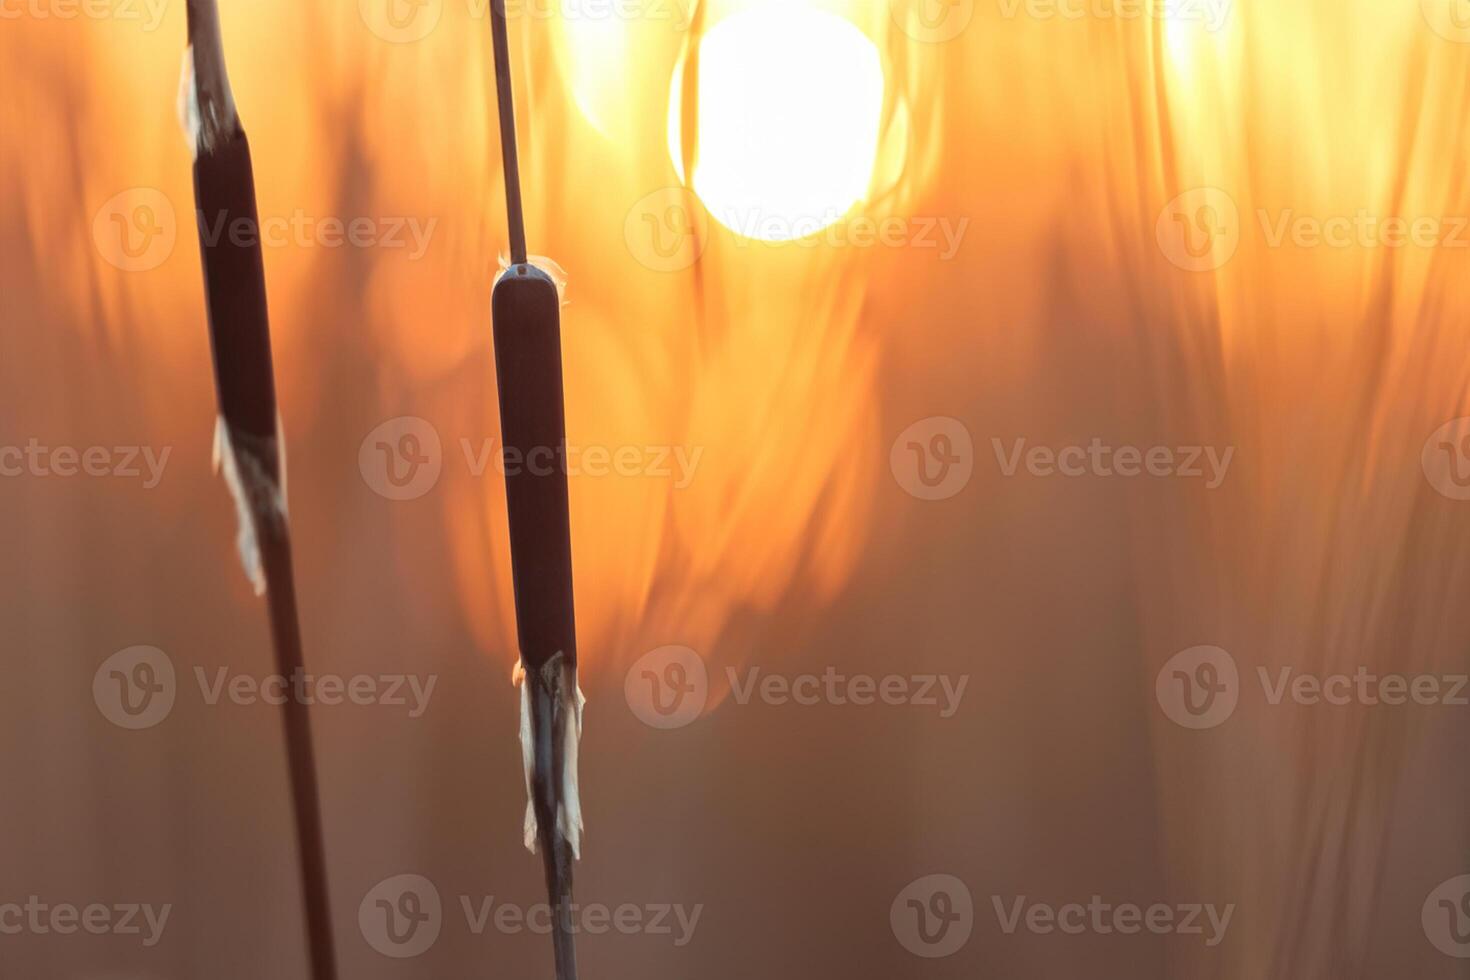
[789, 114]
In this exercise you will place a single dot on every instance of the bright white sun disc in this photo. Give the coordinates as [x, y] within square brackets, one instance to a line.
[790, 106]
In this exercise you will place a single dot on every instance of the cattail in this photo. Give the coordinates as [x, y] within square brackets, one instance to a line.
[526, 315]
[248, 443]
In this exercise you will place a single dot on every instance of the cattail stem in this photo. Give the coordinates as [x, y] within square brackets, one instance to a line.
[515, 215]
[275, 546]
[247, 436]
[526, 310]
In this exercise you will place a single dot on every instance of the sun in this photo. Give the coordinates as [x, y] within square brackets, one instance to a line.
[790, 107]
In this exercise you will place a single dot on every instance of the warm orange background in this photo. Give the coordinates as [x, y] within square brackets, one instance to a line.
[1062, 318]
